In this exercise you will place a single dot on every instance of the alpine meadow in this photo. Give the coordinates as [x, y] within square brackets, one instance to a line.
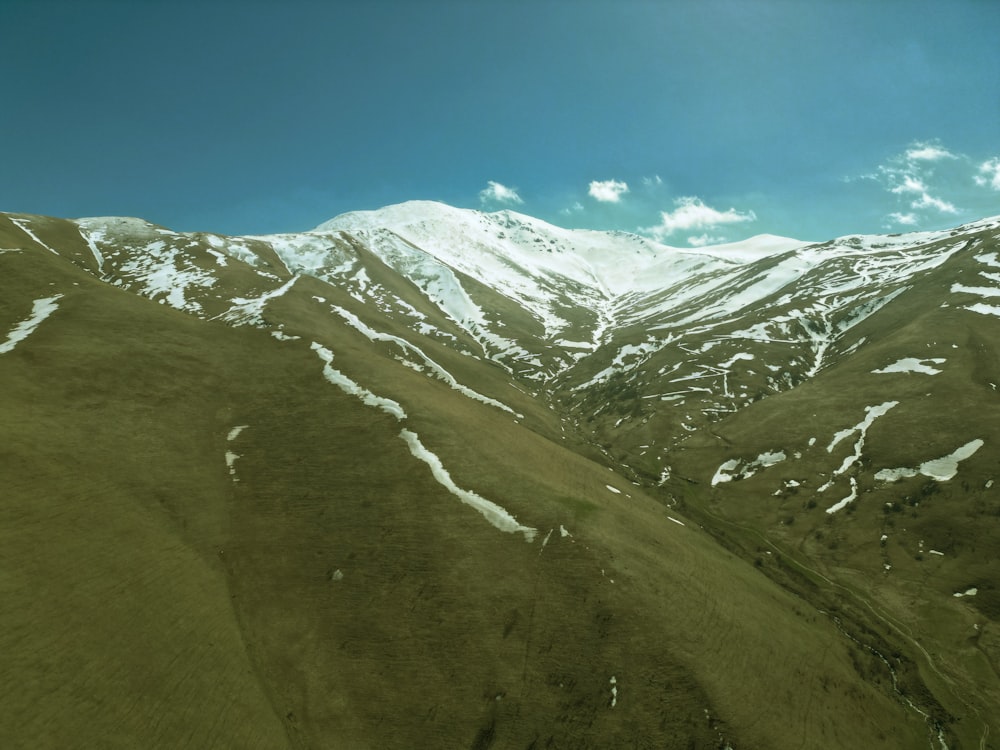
[428, 476]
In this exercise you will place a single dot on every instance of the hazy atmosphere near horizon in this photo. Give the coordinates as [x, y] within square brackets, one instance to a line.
[690, 122]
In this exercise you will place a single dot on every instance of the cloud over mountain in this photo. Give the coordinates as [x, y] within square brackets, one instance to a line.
[495, 192]
[989, 173]
[607, 191]
[693, 214]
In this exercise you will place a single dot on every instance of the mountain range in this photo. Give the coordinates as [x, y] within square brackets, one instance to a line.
[433, 477]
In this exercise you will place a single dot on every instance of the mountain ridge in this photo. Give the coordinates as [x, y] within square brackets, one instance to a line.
[698, 456]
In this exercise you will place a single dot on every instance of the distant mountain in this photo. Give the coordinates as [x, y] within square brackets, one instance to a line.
[431, 477]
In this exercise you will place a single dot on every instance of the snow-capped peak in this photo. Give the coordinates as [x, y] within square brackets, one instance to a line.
[614, 263]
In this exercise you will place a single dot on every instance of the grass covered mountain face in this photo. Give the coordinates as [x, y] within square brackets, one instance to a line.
[426, 477]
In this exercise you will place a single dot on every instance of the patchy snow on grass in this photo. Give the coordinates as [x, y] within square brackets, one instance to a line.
[92, 238]
[849, 499]
[235, 432]
[987, 293]
[347, 385]
[871, 414]
[372, 335]
[735, 358]
[984, 309]
[968, 592]
[912, 364]
[983, 291]
[40, 310]
[492, 512]
[894, 475]
[734, 468]
[231, 461]
[946, 468]
[988, 259]
[613, 489]
[941, 469]
[725, 471]
[250, 310]
[22, 224]
[164, 273]
[614, 691]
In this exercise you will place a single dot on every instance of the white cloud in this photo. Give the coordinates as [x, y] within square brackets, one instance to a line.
[608, 191]
[929, 201]
[910, 184]
[693, 214]
[906, 219]
[909, 176]
[705, 239]
[497, 193]
[654, 181]
[574, 209]
[990, 171]
[920, 151]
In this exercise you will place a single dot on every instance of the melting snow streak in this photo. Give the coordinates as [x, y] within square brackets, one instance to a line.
[349, 386]
[372, 335]
[40, 310]
[22, 225]
[492, 512]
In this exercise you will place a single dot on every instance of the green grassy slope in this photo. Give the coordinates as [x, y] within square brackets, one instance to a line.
[897, 554]
[322, 590]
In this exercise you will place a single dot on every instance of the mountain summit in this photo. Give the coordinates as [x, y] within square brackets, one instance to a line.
[431, 477]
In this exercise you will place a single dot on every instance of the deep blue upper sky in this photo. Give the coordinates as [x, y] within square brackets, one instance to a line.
[693, 121]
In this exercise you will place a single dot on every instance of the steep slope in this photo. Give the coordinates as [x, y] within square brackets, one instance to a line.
[370, 463]
[883, 479]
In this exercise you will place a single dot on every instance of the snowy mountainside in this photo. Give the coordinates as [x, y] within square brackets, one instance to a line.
[771, 431]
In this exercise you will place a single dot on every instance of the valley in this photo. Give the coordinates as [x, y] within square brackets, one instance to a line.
[432, 477]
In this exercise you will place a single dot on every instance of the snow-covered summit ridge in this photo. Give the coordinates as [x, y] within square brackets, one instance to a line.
[538, 298]
[615, 263]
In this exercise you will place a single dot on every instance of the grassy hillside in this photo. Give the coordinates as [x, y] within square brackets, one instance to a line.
[208, 542]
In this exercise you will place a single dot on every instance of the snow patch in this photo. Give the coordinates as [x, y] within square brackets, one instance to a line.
[941, 469]
[22, 224]
[372, 335]
[734, 468]
[736, 358]
[871, 414]
[250, 311]
[235, 432]
[347, 385]
[40, 310]
[849, 499]
[492, 512]
[92, 239]
[912, 364]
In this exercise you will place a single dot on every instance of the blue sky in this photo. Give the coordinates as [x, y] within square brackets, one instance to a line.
[691, 121]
